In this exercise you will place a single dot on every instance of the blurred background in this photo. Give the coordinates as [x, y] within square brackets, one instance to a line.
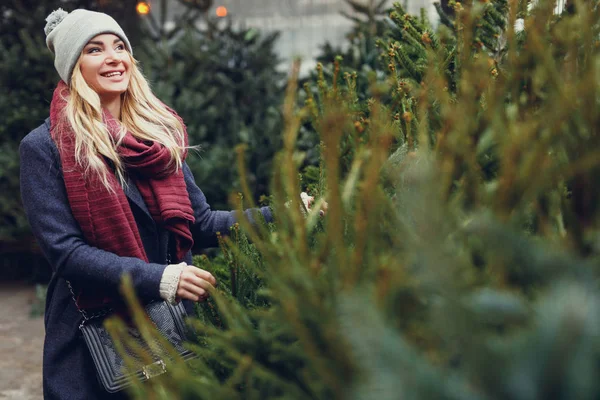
[304, 25]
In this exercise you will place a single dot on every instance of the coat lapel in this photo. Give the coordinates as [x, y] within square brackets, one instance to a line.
[133, 194]
[154, 237]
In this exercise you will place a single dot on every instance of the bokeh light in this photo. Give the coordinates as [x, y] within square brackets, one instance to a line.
[221, 11]
[142, 8]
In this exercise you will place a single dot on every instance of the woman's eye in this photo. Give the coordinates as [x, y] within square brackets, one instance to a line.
[120, 47]
[93, 50]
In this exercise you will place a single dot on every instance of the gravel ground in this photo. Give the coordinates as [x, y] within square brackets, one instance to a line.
[21, 343]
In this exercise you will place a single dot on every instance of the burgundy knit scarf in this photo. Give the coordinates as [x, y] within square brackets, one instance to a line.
[106, 218]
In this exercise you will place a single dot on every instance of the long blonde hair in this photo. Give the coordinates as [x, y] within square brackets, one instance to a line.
[142, 114]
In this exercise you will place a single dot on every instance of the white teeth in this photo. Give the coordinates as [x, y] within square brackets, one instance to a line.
[112, 74]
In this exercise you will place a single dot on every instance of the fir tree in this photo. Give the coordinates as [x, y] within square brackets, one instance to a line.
[27, 78]
[224, 83]
[362, 59]
[361, 54]
[428, 278]
[163, 25]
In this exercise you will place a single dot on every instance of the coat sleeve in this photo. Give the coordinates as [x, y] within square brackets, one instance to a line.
[209, 222]
[58, 233]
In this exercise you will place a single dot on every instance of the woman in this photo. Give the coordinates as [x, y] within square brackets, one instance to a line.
[107, 191]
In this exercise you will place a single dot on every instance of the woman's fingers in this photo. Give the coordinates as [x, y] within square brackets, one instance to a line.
[198, 285]
[324, 207]
[195, 283]
[192, 273]
[200, 273]
[190, 295]
[310, 200]
[199, 282]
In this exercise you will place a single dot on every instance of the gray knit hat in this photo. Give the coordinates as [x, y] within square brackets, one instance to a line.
[68, 33]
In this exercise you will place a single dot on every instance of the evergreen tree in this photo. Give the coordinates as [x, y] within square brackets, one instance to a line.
[428, 278]
[27, 79]
[362, 59]
[163, 25]
[403, 47]
[224, 83]
[361, 54]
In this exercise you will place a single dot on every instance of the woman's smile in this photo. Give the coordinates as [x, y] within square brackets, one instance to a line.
[113, 75]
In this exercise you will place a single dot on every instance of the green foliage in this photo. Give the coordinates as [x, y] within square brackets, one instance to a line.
[23, 58]
[361, 54]
[234, 269]
[224, 84]
[401, 47]
[431, 277]
[362, 60]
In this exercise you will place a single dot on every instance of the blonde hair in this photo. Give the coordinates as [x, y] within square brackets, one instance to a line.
[142, 114]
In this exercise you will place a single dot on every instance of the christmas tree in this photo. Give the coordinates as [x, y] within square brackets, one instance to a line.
[212, 73]
[459, 256]
[27, 79]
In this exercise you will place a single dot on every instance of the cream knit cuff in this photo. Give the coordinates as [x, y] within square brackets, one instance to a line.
[170, 281]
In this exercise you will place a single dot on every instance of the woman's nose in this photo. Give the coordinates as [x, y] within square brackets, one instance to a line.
[112, 57]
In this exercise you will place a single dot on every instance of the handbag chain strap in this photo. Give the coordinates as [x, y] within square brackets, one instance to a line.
[87, 316]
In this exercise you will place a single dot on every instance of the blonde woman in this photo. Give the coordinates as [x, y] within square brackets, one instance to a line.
[107, 191]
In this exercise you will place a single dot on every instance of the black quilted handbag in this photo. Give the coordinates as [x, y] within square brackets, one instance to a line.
[168, 319]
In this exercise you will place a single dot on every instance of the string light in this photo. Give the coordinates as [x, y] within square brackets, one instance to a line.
[142, 8]
[221, 11]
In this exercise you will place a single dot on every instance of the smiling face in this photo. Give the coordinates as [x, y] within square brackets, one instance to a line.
[106, 66]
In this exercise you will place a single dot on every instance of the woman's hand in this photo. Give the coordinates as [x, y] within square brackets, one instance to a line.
[309, 200]
[195, 283]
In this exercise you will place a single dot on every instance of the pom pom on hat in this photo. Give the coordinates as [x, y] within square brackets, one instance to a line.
[54, 19]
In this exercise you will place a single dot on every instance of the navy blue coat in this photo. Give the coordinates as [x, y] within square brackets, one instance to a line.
[68, 370]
